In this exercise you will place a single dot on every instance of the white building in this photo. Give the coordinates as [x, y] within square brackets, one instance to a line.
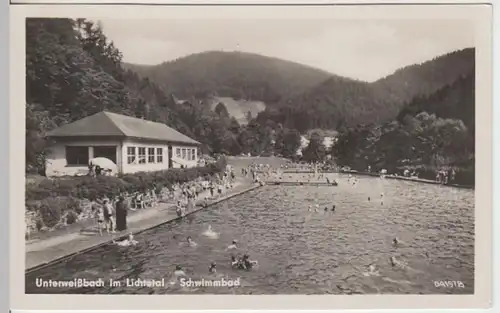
[304, 142]
[133, 144]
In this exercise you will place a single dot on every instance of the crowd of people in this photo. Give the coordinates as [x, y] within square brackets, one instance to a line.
[111, 213]
[445, 176]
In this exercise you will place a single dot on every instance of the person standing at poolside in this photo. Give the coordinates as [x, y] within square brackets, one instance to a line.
[108, 216]
[211, 187]
[121, 214]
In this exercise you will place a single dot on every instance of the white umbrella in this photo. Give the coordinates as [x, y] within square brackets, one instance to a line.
[104, 163]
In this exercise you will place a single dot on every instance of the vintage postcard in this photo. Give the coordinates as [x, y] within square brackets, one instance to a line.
[251, 157]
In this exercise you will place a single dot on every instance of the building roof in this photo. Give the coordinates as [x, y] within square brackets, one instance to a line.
[105, 124]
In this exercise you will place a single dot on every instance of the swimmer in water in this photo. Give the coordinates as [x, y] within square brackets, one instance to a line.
[212, 268]
[247, 263]
[130, 241]
[210, 233]
[232, 245]
[393, 261]
[326, 208]
[395, 242]
[372, 271]
[234, 262]
[191, 242]
[333, 208]
[179, 272]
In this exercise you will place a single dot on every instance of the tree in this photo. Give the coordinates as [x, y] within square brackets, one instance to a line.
[287, 142]
[221, 110]
[248, 116]
[234, 126]
[315, 150]
[37, 123]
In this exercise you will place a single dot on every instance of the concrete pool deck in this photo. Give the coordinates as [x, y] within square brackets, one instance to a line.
[60, 245]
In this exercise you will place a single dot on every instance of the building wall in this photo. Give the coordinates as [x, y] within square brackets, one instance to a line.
[56, 164]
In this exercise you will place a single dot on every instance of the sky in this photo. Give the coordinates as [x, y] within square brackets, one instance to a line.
[361, 49]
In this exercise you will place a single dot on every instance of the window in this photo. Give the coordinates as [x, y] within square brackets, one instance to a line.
[131, 155]
[108, 152]
[142, 155]
[151, 155]
[184, 153]
[189, 154]
[159, 155]
[178, 152]
[77, 155]
[193, 155]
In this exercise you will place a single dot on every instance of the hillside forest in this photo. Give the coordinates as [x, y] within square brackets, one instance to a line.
[422, 116]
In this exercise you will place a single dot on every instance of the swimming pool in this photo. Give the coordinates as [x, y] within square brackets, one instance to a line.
[301, 251]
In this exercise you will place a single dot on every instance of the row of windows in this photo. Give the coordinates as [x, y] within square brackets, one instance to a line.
[79, 155]
[186, 153]
[143, 155]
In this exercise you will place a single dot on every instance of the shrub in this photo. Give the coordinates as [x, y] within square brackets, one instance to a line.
[50, 211]
[105, 186]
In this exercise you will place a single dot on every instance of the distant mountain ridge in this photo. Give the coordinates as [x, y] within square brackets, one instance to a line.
[299, 96]
[238, 75]
[339, 102]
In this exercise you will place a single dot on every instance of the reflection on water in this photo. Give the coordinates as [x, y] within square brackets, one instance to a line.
[347, 251]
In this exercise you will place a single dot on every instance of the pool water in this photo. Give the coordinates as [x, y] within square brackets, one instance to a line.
[301, 251]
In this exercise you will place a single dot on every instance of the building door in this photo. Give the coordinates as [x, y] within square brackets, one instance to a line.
[170, 153]
[108, 152]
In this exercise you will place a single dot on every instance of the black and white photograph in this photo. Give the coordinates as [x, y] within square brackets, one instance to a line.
[247, 156]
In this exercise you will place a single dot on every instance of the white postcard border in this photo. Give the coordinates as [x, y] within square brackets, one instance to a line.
[481, 15]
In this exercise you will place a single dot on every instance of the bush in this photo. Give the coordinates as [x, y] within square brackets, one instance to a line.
[105, 186]
[51, 211]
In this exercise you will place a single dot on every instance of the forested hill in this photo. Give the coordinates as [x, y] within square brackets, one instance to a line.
[341, 102]
[426, 78]
[455, 101]
[232, 74]
[431, 132]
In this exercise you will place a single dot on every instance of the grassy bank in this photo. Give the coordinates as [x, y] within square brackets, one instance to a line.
[54, 203]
